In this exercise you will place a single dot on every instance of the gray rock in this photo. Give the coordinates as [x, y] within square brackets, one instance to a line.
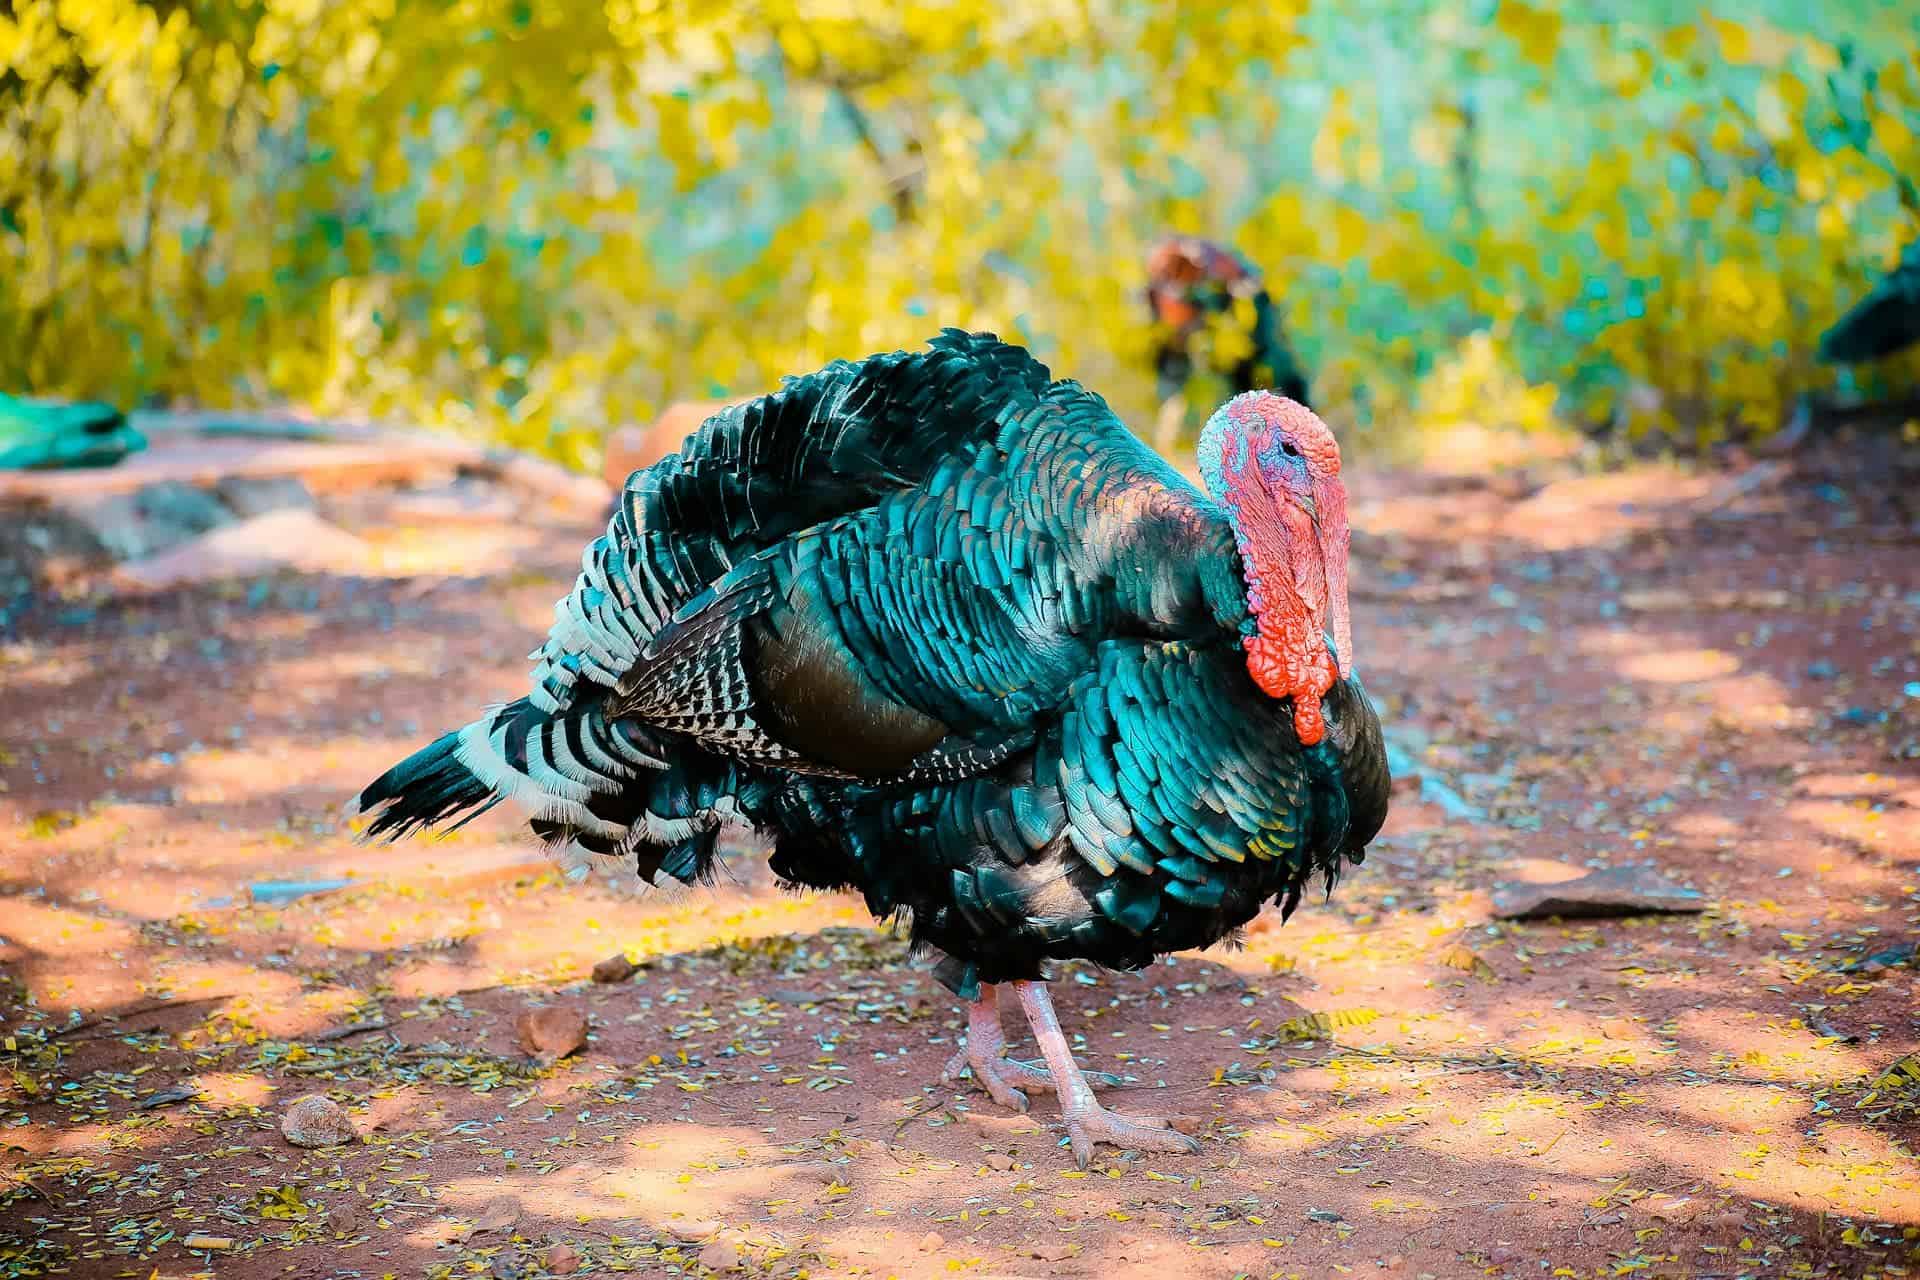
[1615, 891]
[317, 1121]
[44, 546]
[132, 526]
[256, 495]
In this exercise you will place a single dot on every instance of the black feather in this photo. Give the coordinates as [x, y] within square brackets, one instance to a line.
[1885, 321]
[424, 790]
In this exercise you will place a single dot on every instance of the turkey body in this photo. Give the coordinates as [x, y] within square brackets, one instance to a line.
[1885, 321]
[955, 639]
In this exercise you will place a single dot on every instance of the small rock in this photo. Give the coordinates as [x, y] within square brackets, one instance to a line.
[693, 1232]
[502, 1213]
[999, 1160]
[1188, 1125]
[1728, 1219]
[1605, 1220]
[344, 1219]
[316, 1121]
[1394, 1262]
[1615, 891]
[564, 1260]
[931, 1241]
[1051, 1252]
[996, 1125]
[720, 1256]
[552, 1033]
[1502, 1254]
[615, 968]
[507, 1267]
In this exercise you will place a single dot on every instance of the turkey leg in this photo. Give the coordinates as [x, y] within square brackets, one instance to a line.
[1087, 1121]
[1005, 1079]
[984, 1052]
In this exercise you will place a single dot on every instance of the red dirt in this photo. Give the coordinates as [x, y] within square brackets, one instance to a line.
[1724, 688]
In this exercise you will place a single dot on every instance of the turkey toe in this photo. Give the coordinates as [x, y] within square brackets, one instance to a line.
[1130, 1133]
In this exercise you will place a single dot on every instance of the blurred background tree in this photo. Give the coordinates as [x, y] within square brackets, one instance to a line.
[530, 221]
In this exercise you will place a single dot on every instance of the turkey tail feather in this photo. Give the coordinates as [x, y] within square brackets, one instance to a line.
[553, 766]
[424, 790]
[590, 786]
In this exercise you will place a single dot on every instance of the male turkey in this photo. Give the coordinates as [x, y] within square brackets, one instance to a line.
[1193, 284]
[1881, 323]
[953, 637]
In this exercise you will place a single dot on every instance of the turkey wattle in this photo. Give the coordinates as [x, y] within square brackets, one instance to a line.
[953, 637]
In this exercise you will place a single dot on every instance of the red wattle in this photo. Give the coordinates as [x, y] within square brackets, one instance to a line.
[1303, 676]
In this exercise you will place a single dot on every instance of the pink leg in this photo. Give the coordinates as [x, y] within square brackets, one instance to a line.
[1087, 1121]
[984, 1053]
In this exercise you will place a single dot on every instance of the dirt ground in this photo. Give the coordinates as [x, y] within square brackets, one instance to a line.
[1715, 674]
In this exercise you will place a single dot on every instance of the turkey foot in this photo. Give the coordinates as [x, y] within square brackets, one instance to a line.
[1006, 1080]
[1087, 1121]
[984, 1052]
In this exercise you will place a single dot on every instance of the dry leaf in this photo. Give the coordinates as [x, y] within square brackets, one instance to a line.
[1467, 960]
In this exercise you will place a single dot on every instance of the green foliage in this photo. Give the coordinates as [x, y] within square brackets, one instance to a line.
[531, 221]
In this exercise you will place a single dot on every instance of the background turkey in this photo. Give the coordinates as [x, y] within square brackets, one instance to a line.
[955, 638]
[1195, 285]
[1883, 322]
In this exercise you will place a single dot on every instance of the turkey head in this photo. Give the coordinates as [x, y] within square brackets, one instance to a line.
[1275, 467]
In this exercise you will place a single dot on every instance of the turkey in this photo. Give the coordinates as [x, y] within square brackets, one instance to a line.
[1881, 323]
[952, 637]
[1190, 283]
